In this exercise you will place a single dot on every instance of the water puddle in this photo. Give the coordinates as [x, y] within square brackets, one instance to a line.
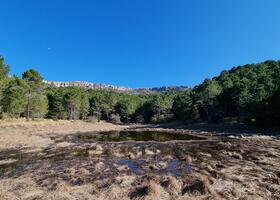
[133, 166]
[118, 136]
[177, 167]
[173, 167]
[101, 157]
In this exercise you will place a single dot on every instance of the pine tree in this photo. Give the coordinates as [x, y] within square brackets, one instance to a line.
[13, 100]
[36, 100]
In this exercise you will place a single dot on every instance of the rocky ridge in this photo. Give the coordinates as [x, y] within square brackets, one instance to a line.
[90, 85]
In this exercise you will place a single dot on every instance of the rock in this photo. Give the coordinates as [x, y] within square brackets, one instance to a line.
[210, 168]
[168, 157]
[228, 144]
[99, 166]
[99, 147]
[83, 171]
[233, 137]
[162, 164]
[98, 150]
[208, 155]
[117, 154]
[149, 152]
[237, 156]
[131, 156]
[229, 153]
[70, 171]
[188, 159]
[123, 168]
[139, 154]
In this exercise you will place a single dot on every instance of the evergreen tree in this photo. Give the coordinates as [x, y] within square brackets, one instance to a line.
[56, 103]
[84, 105]
[206, 98]
[125, 108]
[4, 69]
[248, 93]
[39, 106]
[13, 100]
[184, 107]
[36, 100]
[72, 104]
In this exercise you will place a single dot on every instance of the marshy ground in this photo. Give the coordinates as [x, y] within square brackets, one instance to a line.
[78, 160]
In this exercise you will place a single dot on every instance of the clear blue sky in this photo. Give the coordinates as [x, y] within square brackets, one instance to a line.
[137, 43]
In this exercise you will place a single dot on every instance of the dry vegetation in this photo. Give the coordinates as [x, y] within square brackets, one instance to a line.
[45, 160]
[37, 134]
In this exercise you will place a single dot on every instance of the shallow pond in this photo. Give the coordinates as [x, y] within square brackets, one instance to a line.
[105, 150]
[118, 136]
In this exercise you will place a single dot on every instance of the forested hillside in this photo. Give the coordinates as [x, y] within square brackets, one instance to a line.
[247, 94]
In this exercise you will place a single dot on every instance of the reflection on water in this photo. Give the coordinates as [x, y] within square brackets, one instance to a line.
[117, 136]
[133, 166]
[112, 157]
[177, 167]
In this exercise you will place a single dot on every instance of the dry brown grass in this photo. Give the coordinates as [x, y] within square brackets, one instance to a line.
[243, 168]
[18, 133]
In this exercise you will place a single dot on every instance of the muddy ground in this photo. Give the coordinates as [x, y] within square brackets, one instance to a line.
[48, 160]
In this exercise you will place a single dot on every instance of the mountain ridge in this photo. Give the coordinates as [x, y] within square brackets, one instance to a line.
[102, 86]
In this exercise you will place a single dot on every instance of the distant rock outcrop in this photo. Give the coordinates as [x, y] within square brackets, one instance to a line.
[89, 85]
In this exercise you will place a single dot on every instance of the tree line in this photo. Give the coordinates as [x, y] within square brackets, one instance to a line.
[247, 94]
